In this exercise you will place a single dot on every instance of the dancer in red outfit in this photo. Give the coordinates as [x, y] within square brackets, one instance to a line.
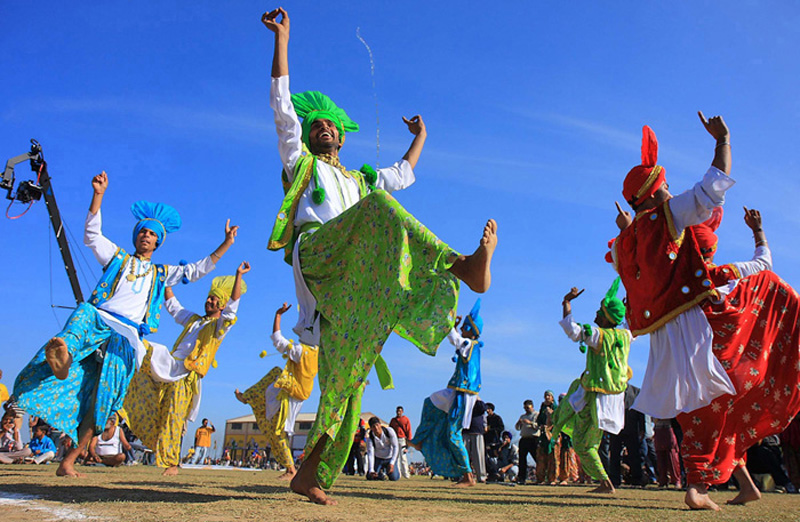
[729, 347]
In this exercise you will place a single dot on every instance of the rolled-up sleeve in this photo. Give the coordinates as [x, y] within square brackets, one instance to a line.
[192, 271]
[695, 205]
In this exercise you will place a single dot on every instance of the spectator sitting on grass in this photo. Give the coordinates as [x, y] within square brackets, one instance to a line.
[11, 447]
[107, 447]
[41, 446]
[506, 465]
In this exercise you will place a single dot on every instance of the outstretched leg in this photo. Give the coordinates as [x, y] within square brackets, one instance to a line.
[748, 492]
[305, 481]
[67, 466]
[475, 269]
[58, 357]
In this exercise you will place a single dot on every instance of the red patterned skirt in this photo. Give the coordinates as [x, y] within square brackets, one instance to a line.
[757, 341]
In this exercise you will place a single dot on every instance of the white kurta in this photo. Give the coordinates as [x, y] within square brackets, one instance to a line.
[295, 352]
[610, 407]
[341, 193]
[443, 399]
[130, 298]
[682, 372]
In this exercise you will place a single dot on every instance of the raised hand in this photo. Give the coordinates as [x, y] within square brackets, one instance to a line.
[458, 321]
[752, 218]
[243, 268]
[573, 293]
[100, 183]
[415, 125]
[283, 309]
[715, 126]
[624, 218]
[230, 232]
[270, 20]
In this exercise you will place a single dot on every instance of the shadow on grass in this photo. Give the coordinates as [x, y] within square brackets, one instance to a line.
[85, 493]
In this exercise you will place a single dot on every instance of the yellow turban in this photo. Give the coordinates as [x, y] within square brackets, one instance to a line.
[222, 287]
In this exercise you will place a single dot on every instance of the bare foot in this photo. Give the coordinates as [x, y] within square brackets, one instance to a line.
[305, 483]
[170, 471]
[697, 498]
[239, 396]
[416, 446]
[58, 358]
[748, 492]
[475, 270]
[468, 480]
[68, 470]
[563, 483]
[606, 486]
[288, 474]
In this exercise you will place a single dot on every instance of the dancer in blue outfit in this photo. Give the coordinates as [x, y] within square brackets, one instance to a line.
[79, 378]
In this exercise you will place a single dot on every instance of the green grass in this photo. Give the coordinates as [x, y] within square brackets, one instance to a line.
[140, 493]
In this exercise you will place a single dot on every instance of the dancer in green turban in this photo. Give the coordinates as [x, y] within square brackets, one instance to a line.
[595, 401]
[363, 266]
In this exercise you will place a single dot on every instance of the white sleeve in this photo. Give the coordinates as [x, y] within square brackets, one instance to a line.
[370, 454]
[290, 133]
[102, 248]
[695, 205]
[280, 342]
[229, 312]
[762, 260]
[193, 271]
[463, 345]
[395, 444]
[397, 177]
[177, 311]
[575, 332]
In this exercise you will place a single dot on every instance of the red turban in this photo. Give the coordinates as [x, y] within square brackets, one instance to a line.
[643, 180]
[704, 233]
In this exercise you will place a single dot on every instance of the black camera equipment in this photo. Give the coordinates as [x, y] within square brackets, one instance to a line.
[31, 191]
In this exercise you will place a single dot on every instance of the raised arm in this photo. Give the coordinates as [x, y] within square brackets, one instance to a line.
[416, 127]
[566, 303]
[719, 131]
[752, 219]
[99, 184]
[237, 283]
[276, 323]
[280, 57]
[230, 236]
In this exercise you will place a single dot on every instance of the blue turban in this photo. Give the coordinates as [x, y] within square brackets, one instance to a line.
[473, 322]
[160, 218]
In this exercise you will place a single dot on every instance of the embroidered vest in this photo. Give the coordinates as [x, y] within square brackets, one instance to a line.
[663, 272]
[284, 235]
[208, 340]
[607, 369]
[467, 377]
[298, 378]
[107, 285]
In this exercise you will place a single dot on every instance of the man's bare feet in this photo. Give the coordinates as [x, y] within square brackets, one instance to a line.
[466, 481]
[305, 483]
[58, 358]
[748, 492]
[67, 469]
[416, 446]
[170, 471]
[288, 474]
[605, 487]
[239, 396]
[697, 498]
[475, 269]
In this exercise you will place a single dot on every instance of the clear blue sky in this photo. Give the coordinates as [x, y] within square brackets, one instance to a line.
[534, 114]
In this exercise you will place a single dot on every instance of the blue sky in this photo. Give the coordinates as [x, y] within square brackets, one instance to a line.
[534, 115]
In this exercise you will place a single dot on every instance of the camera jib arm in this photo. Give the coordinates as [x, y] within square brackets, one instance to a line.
[28, 191]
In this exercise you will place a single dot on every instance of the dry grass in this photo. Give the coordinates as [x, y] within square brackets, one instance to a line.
[139, 493]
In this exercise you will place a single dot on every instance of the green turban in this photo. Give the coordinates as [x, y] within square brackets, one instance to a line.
[311, 106]
[612, 306]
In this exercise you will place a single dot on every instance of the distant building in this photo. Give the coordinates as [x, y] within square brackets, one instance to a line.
[243, 433]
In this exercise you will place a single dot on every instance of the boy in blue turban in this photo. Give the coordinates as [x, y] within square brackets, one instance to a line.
[363, 265]
[449, 411]
[79, 378]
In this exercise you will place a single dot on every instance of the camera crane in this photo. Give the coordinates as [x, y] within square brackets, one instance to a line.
[30, 191]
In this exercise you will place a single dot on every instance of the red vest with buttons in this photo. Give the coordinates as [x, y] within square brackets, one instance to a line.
[662, 270]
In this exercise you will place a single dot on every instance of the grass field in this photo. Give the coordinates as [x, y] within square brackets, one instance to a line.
[140, 493]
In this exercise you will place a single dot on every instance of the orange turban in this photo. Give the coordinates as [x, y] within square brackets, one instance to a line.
[643, 180]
